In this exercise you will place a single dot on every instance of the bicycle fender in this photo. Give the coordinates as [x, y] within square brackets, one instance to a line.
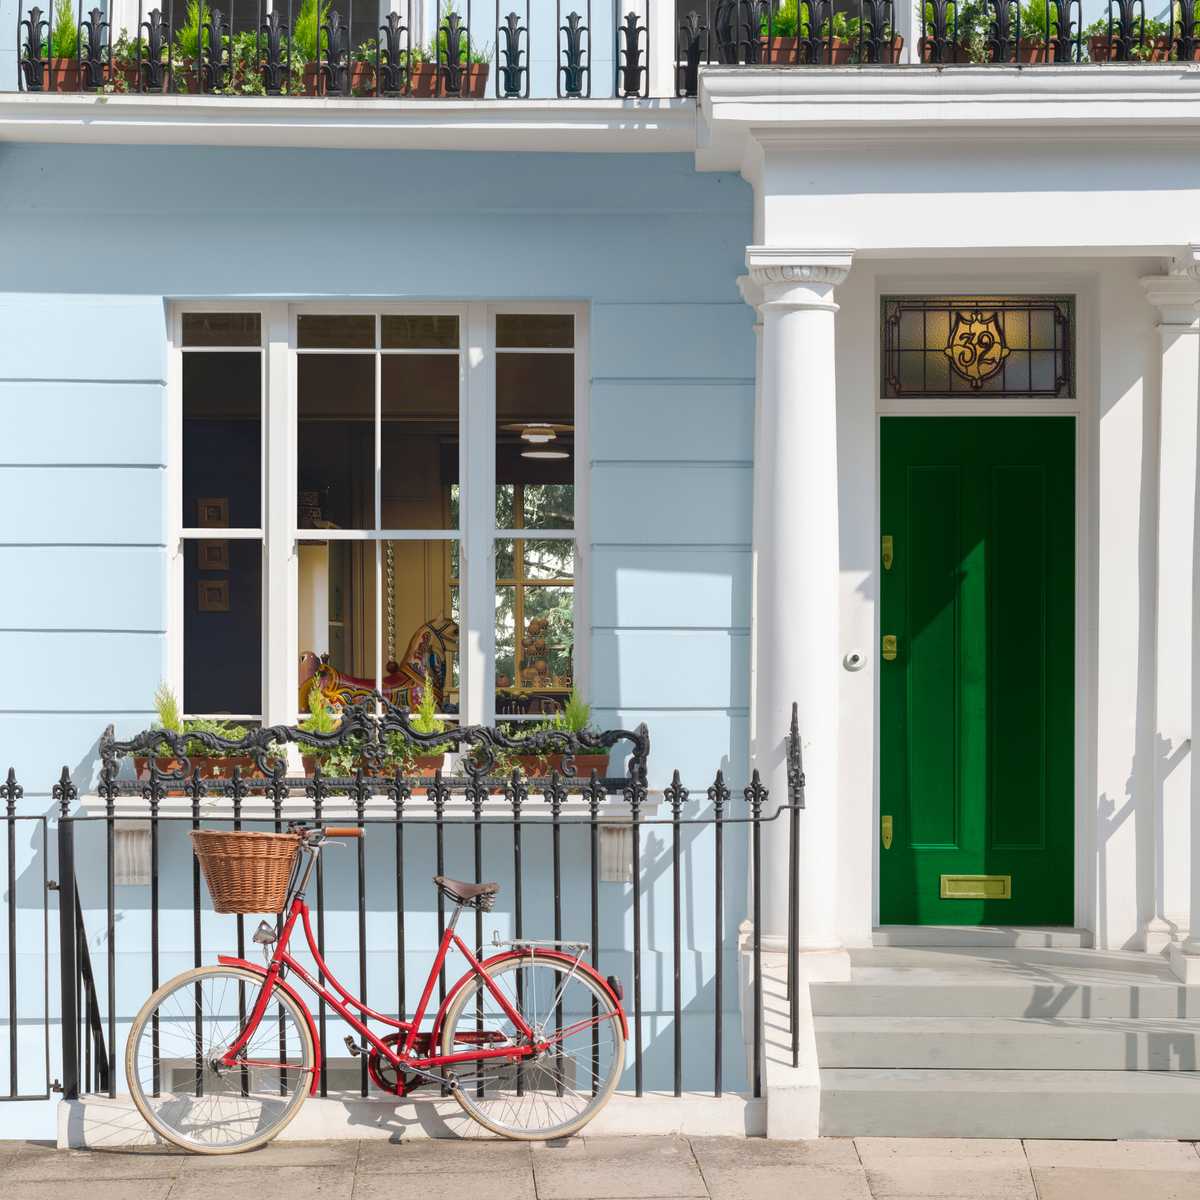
[582, 968]
[227, 961]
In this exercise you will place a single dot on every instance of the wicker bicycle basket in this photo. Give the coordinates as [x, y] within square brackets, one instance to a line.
[246, 872]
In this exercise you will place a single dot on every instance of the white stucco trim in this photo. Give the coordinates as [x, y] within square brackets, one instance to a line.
[613, 126]
[1086, 502]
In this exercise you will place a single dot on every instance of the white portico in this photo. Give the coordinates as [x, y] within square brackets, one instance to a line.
[871, 183]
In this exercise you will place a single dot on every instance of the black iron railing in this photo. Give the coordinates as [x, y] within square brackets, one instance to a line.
[500, 812]
[193, 48]
[864, 32]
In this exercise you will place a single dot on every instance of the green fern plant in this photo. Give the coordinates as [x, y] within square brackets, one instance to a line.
[187, 36]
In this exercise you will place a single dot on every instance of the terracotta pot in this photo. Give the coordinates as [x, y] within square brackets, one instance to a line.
[585, 764]
[1105, 49]
[1034, 50]
[362, 80]
[427, 766]
[842, 50]
[210, 768]
[128, 72]
[63, 75]
[425, 83]
[926, 51]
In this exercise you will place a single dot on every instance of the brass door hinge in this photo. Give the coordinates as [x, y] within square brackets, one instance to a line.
[886, 824]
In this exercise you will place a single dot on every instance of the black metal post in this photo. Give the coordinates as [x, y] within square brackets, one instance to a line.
[11, 791]
[69, 969]
[719, 795]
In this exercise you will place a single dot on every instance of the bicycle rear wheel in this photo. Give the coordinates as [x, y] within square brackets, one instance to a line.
[177, 1040]
[557, 1091]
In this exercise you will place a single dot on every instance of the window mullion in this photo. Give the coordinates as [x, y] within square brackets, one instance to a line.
[280, 578]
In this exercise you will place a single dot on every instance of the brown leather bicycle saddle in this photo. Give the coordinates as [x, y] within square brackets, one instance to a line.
[456, 889]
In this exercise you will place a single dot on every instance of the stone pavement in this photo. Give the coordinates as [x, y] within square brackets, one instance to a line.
[647, 1168]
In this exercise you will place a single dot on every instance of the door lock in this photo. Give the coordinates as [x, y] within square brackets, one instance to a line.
[889, 646]
[886, 826]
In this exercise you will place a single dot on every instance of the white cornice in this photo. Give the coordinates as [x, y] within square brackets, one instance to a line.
[612, 126]
[1175, 297]
[781, 105]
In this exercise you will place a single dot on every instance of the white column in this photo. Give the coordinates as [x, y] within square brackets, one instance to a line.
[797, 618]
[752, 293]
[1175, 296]
[1185, 959]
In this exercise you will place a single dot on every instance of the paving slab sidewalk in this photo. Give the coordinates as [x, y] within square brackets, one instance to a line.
[609, 1168]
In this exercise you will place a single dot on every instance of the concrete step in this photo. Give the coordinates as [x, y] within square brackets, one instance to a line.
[1014, 936]
[955, 997]
[1010, 1104]
[998, 1043]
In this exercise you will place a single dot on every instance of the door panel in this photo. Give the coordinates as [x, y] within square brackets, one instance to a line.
[977, 707]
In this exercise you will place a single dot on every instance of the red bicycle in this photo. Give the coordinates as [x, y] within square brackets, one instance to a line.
[531, 1042]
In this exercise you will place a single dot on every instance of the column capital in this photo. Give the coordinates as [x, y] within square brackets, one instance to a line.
[1187, 263]
[793, 277]
[1175, 296]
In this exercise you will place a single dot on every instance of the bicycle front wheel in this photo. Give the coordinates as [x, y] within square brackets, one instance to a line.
[558, 1090]
[176, 1077]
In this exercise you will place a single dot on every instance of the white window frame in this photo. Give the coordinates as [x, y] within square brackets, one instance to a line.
[477, 496]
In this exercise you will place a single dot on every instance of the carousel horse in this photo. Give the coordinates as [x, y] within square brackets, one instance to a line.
[404, 684]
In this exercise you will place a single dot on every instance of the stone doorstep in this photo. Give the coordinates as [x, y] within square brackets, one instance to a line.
[98, 1121]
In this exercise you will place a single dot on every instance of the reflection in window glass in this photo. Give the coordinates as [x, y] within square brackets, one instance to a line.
[222, 329]
[222, 626]
[328, 332]
[529, 330]
[222, 440]
[423, 332]
[535, 624]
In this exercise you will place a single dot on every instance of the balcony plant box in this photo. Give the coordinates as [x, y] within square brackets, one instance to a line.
[1104, 49]
[63, 75]
[362, 80]
[964, 52]
[128, 73]
[210, 768]
[542, 764]
[1034, 50]
[425, 81]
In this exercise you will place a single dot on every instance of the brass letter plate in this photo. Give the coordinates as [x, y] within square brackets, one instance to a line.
[976, 887]
[886, 823]
[887, 551]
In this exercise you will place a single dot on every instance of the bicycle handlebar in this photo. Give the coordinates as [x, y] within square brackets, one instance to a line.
[352, 831]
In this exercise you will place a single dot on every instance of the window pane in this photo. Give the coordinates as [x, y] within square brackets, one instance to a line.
[504, 558]
[420, 333]
[417, 631]
[540, 330]
[324, 332]
[549, 506]
[336, 619]
[222, 440]
[547, 661]
[549, 558]
[222, 329]
[505, 641]
[504, 506]
[222, 626]
[535, 432]
[420, 440]
[335, 442]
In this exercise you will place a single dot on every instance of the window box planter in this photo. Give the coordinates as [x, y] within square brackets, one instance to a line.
[1034, 50]
[781, 51]
[210, 768]
[362, 80]
[1104, 49]
[964, 52]
[425, 82]
[533, 765]
[128, 73]
[63, 75]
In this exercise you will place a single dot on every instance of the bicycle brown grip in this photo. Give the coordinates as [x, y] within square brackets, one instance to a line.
[351, 831]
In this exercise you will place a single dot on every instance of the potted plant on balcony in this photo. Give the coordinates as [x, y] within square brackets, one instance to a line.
[473, 62]
[576, 717]
[420, 761]
[63, 75]
[213, 764]
[123, 68]
[1154, 44]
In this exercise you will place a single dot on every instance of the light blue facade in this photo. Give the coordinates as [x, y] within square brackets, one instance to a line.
[99, 239]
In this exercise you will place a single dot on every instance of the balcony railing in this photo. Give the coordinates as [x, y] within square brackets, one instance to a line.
[301, 49]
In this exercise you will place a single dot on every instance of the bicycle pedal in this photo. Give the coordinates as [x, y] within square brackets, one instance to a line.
[354, 1047]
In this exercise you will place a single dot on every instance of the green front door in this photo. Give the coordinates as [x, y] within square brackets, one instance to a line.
[977, 692]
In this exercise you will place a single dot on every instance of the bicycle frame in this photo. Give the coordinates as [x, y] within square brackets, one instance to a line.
[342, 1001]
